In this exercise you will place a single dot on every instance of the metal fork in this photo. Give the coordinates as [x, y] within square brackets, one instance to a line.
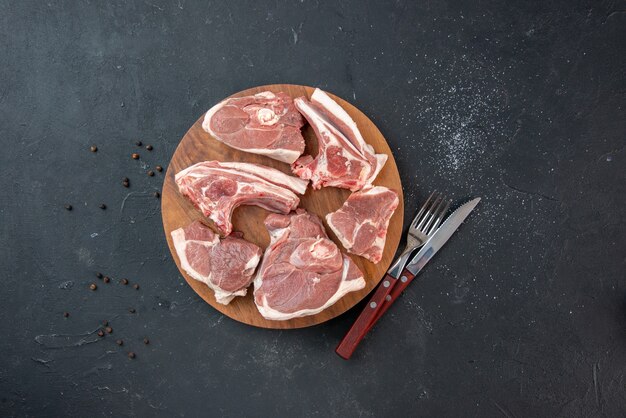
[423, 226]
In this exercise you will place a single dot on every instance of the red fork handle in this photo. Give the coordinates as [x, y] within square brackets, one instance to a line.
[402, 283]
[349, 343]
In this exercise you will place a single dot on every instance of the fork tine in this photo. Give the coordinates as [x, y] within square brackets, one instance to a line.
[441, 211]
[422, 210]
[434, 215]
[429, 213]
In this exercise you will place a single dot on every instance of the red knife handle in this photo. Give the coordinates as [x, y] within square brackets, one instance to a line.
[358, 330]
[402, 283]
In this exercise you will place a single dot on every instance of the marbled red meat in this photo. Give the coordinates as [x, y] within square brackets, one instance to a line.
[266, 124]
[217, 188]
[361, 223]
[225, 265]
[344, 159]
[303, 272]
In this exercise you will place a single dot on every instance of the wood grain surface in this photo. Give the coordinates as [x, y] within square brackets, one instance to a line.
[197, 145]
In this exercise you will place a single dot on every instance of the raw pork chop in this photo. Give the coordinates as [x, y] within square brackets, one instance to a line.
[266, 124]
[344, 160]
[218, 188]
[226, 265]
[303, 272]
[361, 223]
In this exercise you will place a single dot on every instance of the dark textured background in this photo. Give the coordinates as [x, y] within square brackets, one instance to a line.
[522, 103]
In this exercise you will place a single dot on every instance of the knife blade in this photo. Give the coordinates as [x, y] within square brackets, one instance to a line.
[430, 248]
[441, 236]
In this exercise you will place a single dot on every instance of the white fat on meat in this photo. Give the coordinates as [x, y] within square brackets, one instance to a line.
[361, 223]
[344, 159]
[217, 189]
[302, 272]
[225, 265]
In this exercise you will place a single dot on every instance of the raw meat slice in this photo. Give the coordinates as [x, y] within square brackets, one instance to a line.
[303, 272]
[361, 223]
[266, 124]
[218, 188]
[344, 159]
[225, 265]
[340, 118]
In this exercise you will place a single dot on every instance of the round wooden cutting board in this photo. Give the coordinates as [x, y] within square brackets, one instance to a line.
[197, 145]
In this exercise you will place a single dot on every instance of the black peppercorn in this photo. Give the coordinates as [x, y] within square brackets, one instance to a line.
[107, 279]
[136, 286]
[159, 168]
[100, 333]
[138, 143]
[109, 330]
[68, 207]
[135, 156]
[151, 173]
[93, 286]
[94, 148]
[157, 194]
[124, 281]
[103, 206]
[146, 341]
[131, 355]
[99, 275]
[149, 147]
[119, 342]
[132, 310]
[66, 314]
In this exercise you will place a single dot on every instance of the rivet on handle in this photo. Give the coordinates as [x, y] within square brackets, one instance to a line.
[403, 279]
[373, 305]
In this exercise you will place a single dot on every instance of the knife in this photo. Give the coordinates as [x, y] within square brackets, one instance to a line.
[374, 311]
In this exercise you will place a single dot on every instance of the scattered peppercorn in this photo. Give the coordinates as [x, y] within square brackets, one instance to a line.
[149, 147]
[131, 355]
[138, 143]
[109, 330]
[94, 148]
[132, 310]
[135, 156]
[103, 206]
[125, 184]
[124, 281]
[66, 314]
[146, 341]
[107, 279]
[93, 286]
[157, 194]
[159, 168]
[99, 275]
[151, 173]
[136, 286]
[100, 333]
[105, 323]
[119, 342]
[68, 207]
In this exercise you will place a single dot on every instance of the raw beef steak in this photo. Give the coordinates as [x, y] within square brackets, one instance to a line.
[217, 188]
[225, 265]
[266, 124]
[303, 272]
[361, 223]
[344, 159]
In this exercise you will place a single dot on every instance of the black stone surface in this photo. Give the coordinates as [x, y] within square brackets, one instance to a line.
[523, 103]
